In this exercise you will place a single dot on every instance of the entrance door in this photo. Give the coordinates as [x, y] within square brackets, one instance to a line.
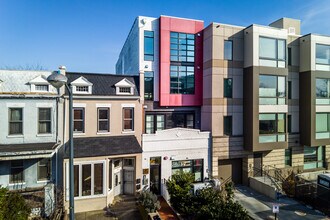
[155, 175]
[230, 169]
[118, 185]
[128, 181]
[257, 164]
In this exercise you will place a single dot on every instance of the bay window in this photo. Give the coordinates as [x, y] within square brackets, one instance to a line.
[272, 127]
[272, 52]
[272, 90]
[314, 157]
[322, 55]
[322, 89]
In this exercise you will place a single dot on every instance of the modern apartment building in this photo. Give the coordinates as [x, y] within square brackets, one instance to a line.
[107, 139]
[29, 139]
[261, 91]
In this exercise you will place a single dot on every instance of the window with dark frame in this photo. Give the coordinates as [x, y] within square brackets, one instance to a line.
[183, 120]
[289, 123]
[149, 45]
[272, 90]
[289, 89]
[227, 125]
[288, 157]
[228, 50]
[44, 169]
[44, 121]
[103, 121]
[16, 171]
[128, 119]
[228, 88]
[15, 121]
[154, 122]
[182, 56]
[289, 56]
[192, 166]
[79, 120]
[148, 85]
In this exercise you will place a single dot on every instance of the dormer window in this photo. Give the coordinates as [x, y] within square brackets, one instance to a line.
[82, 86]
[40, 84]
[125, 87]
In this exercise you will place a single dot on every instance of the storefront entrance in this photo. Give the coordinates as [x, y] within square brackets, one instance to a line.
[155, 174]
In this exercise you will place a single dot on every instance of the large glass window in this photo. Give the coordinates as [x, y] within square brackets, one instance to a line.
[322, 126]
[154, 123]
[271, 90]
[227, 125]
[271, 128]
[148, 85]
[16, 171]
[44, 169]
[314, 157]
[322, 91]
[128, 119]
[182, 80]
[45, 120]
[272, 52]
[103, 124]
[88, 179]
[322, 54]
[15, 121]
[288, 157]
[228, 88]
[182, 63]
[183, 120]
[79, 120]
[193, 166]
[149, 45]
[228, 50]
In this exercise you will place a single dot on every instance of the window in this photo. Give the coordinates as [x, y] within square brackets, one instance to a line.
[322, 54]
[193, 166]
[228, 88]
[183, 120]
[110, 174]
[82, 89]
[103, 124]
[41, 88]
[182, 47]
[125, 90]
[289, 56]
[182, 56]
[314, 157]
[271, 128]
[149, 45]
[182, 80]
[148, 85]
[44, 169]
[289, 123]
[322, 91]
[45, 121]
[128, 119]
[79, 120]
[288, 157]
[16, 171]
[88, 179]
[15, 121]
[322, 126]
[129, 162]
[271, 90]
[228, 50]
[154, 121]
[272, 52]
[289, 89]
[227, 125]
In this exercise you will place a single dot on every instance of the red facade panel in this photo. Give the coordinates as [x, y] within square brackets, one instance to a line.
[166, 25]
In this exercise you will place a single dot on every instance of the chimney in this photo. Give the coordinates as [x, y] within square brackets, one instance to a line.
[61, 70]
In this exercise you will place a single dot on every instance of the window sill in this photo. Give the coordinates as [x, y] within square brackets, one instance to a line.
[15, 184]
[88, 197]
[44, 135]
[103, 133]
[15, 136]
[79, 134]
[43, 181]
[128, 132]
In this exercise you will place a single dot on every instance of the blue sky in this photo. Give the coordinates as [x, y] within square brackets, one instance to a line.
[87, 35]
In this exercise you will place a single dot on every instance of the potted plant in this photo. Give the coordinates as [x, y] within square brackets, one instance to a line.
[148, 204]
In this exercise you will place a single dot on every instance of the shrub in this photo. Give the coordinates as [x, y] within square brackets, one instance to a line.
[13, 206]
[149, 201]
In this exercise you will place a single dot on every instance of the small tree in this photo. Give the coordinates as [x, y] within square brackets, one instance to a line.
[179, 188]
[13, 206]
[149, 202]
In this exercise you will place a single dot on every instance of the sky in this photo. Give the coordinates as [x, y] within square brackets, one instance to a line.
[87, 35]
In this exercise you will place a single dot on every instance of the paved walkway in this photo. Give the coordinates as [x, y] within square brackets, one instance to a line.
[165, 212]
[260, 206]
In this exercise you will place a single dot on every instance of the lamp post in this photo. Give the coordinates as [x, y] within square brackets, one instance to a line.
[58, 80]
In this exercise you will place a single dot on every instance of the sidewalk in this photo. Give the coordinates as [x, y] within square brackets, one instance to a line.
[260, 206]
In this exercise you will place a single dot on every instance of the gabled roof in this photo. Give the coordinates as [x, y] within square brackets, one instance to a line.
[39, 80]
[104, 84]
[124, 83]
[105, 146]
[81, 81]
